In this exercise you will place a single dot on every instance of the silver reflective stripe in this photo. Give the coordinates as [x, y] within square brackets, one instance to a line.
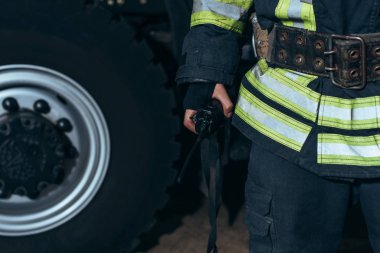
[365, 113]
[292, 76]
[348, 150]
[286, 92]
[294, 13]
[271, 122]
[224, 9]
[307, 1]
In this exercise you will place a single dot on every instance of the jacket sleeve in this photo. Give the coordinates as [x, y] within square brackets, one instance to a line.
[212, 47]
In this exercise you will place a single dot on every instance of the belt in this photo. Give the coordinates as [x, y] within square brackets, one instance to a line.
[350, 61]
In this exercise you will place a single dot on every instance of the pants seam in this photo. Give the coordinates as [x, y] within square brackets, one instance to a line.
[274, 236]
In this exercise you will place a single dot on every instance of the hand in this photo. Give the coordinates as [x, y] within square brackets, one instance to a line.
[220, 94]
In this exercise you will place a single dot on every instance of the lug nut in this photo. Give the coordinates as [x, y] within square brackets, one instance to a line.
[41, 106]
[42, 186]
[10, 104]
[65, 125]
[21, 191]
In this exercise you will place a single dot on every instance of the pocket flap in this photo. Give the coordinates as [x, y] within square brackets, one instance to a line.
[258, 199]
[257, 225]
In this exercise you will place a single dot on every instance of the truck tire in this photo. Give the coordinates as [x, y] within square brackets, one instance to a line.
[86, 130]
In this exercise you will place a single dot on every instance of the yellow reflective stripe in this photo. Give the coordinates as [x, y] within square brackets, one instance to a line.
[270, 122]
[350, 140]
[350, 114]
[263, 65]
[208, 17]
[301, 78]
[296, 13]
[227, 14]
[307, 77]
[348, 160]
[349, 150]
[288, 89]
[351, 103]
[267, 131]
[273, 112]
[308, 17]
[293, 79]
[284, 95]
[281, 12]
[348, 124]
[299, 84]
[246, 4]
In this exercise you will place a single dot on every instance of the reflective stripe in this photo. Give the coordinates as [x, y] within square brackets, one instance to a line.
[271, 122]
[349, 150]
[351, 103]
[281, 12]
[301, 77]
[220, 8]
[292, 76]
[296, 80]
[296, 13]
[206, 17]
[283, 94]
[289, 89]
[228, 14]
[350, 114]
[308, 16]
[245, 4]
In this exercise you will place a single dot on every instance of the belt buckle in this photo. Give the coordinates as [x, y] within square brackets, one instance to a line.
[332, 69]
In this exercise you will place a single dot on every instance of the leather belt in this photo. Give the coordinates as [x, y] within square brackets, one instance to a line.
[350, 61]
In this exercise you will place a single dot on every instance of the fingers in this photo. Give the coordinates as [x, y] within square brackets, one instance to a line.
[187, 122]
[221, 94]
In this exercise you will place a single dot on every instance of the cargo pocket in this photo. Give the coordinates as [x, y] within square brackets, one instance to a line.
[258, 218]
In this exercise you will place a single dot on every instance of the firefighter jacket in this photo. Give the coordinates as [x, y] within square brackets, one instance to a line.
[331, 131]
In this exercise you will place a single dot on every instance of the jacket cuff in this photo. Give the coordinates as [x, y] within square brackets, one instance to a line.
[198, 95]
[212, 53]
[189, 74]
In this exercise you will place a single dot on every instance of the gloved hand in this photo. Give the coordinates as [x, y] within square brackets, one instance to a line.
[198, 96]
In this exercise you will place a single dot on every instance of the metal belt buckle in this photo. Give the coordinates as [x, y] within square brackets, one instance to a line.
[333, 68]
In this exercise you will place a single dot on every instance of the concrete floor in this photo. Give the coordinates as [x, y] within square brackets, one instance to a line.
[192, 236]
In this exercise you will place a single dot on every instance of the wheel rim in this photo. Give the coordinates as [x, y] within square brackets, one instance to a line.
[21, 216]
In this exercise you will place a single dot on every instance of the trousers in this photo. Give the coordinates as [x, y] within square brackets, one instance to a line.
[291, 210]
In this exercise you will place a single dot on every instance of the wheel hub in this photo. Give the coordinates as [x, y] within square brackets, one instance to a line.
[54, 149]
[33, 152]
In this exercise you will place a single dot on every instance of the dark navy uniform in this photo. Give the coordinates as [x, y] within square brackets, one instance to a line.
[316, 145]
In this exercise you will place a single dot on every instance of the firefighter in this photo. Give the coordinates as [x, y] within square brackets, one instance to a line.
[310, 106]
